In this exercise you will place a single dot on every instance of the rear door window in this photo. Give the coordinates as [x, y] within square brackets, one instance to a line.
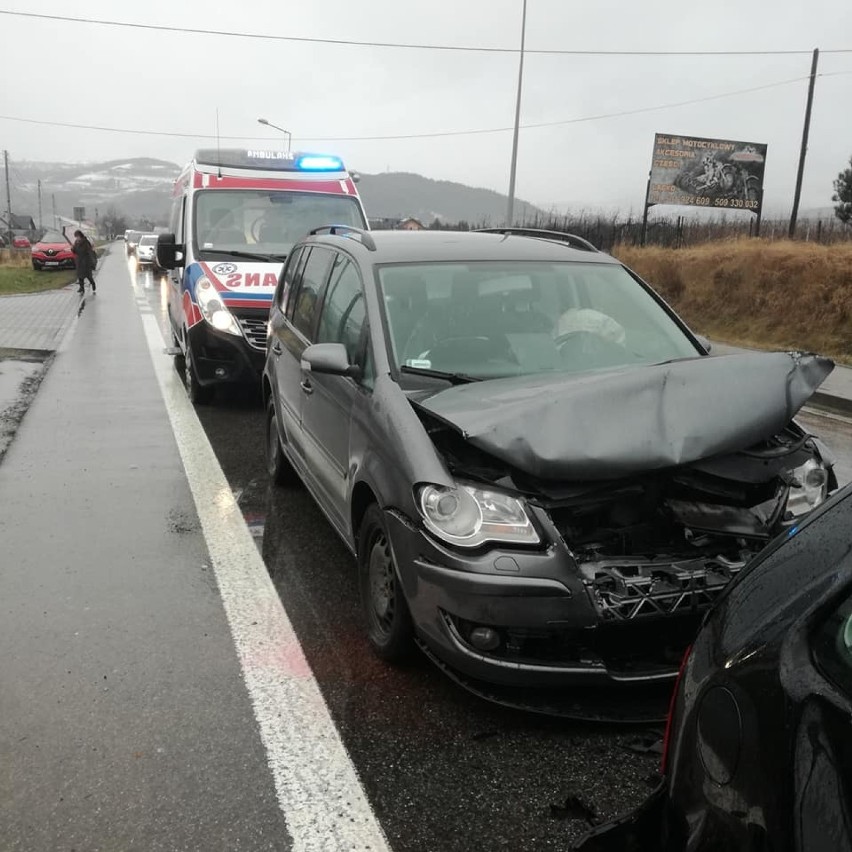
[286, 284]
[344, 312]
[306, 296]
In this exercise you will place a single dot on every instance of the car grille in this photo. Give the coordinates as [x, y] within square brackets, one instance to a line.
[254, 330]
[622, 591]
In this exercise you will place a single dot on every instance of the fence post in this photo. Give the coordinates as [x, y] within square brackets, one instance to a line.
[645, 212]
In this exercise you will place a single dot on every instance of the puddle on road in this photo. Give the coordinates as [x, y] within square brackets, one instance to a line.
[21, 373]
[252, 500]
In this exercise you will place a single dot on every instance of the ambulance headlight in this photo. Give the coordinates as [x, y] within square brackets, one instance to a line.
[212, 308]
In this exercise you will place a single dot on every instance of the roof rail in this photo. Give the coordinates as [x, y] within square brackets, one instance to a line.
[560, 236]
[347, 231]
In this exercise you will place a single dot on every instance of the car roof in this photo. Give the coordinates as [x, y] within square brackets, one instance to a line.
[431, 246]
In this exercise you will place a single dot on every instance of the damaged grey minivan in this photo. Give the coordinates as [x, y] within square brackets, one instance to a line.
[545, 478]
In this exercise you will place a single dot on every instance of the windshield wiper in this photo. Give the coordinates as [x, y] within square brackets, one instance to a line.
[247, 254]
[453, 378]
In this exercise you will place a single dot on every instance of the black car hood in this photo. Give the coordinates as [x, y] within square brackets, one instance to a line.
[607, 425]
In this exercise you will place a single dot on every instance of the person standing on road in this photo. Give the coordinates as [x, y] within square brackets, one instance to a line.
[85, 260]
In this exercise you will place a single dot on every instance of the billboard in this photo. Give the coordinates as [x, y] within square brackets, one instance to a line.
[700, 172]
[79, 213]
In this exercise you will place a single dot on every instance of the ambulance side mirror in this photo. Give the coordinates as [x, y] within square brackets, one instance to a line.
[170, 254]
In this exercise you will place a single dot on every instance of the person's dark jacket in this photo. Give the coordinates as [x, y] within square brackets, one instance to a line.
[84, 257]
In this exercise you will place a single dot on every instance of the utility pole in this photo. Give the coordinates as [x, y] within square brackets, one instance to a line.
[510, 208]
[8, 198]
[802, 153]
[55, 219]
[39, 204]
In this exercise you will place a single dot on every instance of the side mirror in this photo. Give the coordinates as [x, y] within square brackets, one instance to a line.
[329, 358]
[169, 253]
[708, 346]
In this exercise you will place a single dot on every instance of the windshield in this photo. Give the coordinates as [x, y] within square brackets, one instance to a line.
[53, 237]
[488, 320]
[266, 221]
[148, 240]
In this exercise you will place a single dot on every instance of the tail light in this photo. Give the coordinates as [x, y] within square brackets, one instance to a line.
[664, 759]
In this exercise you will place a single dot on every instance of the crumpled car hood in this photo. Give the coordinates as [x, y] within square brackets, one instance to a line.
[609, 425]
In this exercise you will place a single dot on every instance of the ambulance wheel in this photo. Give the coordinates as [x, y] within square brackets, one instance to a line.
[198, 394]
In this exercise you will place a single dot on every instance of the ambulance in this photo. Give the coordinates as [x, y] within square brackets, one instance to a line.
[236, 214]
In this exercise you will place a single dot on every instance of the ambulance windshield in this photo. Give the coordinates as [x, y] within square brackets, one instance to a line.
[266, 222]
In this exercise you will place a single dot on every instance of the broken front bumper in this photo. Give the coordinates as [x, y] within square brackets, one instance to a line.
[535, 618]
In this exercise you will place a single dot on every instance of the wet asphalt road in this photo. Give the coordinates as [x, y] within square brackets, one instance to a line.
[444, 770]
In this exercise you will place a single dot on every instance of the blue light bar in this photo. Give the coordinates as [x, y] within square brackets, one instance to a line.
[319, 163]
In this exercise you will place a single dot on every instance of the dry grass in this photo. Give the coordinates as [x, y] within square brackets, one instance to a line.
[15, 258]
[757, 292]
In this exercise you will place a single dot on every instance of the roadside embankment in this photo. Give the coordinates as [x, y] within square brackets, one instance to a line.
[757, 293]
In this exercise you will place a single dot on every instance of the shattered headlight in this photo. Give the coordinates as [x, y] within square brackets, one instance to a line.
[212, 308]
[808, 488]
[468, 517]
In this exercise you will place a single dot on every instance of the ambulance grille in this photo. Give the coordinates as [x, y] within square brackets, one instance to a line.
[254, 330]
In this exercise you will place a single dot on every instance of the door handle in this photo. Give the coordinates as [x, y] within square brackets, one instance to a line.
[276, 348]
[306, 386]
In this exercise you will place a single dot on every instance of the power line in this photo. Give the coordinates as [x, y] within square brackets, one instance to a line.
[562, 122]
[135, 131]
[404, 45]
[432, 135]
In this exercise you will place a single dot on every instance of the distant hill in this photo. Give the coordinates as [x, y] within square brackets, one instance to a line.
[137, 187]
[142, 187]
[394, 195]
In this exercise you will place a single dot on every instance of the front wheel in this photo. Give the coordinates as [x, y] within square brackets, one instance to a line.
[389, 627]
[198, 394]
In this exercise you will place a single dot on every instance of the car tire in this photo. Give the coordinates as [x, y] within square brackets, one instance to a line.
[388, 620]
[277, 465]
[198, 394]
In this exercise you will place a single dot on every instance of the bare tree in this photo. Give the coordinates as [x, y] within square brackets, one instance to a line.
[113, 222]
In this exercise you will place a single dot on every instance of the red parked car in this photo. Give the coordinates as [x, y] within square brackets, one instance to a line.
[53, 251]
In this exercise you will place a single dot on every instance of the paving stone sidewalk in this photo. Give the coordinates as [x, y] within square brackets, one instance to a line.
[37, 320]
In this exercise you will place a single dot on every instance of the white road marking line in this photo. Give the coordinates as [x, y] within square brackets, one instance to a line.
[320, 794]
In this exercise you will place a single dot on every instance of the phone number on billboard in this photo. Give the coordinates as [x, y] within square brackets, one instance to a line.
[703, 201]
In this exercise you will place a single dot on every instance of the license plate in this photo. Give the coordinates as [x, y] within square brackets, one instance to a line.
[51, 263]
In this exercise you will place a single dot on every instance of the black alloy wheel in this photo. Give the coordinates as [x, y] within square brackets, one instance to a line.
[389, 627]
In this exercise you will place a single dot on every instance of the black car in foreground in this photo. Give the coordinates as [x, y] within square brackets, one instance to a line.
[758, 751]
[545, 478]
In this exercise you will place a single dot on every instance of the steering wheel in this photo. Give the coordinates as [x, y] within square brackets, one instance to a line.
[257, 225]
[282, 232]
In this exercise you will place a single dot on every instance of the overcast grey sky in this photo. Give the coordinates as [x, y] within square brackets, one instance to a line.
[174, 82]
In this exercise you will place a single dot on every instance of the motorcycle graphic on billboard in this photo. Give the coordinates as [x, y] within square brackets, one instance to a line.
[712, 173]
